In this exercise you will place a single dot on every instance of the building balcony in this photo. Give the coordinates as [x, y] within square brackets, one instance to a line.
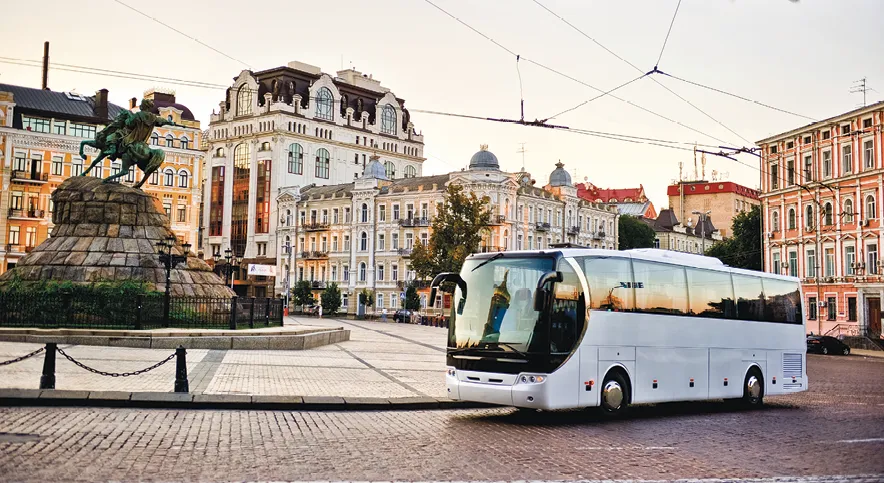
[541, 226]
[413, 222]
[317, 284]
[574, 230]
[316, 226]
[490, 249]
[404, 252]
[27, 214]
[496, 219]
[314, 255]
[21, 176]
[418, 284]
[599, 235]
[13, 248]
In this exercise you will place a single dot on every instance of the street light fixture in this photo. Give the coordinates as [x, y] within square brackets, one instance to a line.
[169, 260]
[228, 267]
[702, 222]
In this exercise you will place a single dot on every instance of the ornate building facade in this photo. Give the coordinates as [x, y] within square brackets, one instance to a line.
[294, 126]
[821, 201]
[361, 234]
[40, 133]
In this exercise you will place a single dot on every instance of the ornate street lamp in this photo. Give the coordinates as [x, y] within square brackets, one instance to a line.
[169, 260]
[230, 260]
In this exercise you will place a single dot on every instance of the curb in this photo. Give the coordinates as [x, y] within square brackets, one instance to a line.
[172, 400]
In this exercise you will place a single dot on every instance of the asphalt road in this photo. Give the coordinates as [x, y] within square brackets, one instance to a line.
[835, 429]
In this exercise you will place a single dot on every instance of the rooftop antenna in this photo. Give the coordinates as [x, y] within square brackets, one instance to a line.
[695, 162]
[680, 170]
[522, 151]
[861, 87]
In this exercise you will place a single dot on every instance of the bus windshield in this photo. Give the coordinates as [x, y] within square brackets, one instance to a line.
[499, 308]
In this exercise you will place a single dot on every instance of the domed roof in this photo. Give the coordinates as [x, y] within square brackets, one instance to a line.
[374, 169]
[484, 159]
[559, 177]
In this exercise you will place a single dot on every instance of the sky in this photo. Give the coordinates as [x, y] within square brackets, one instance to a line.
[800, 56]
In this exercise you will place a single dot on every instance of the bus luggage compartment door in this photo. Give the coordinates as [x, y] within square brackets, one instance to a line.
[588, 385]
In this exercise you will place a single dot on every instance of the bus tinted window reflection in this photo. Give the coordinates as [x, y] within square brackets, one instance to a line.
[610, 283]
[660, 288]
[712, 293]
[750, 297]
[782, 301]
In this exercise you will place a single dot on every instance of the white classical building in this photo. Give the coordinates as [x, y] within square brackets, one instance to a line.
[294, 126]
[360, 234]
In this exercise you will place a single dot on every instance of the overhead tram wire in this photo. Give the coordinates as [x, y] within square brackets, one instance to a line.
[667, 34]
[562, 74]
[603, 94]
[182, 33]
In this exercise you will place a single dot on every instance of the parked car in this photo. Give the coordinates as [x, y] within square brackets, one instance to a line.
[823, 344]
[311, 309]
[403, 316]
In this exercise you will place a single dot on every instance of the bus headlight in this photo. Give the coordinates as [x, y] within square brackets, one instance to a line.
[531, 379]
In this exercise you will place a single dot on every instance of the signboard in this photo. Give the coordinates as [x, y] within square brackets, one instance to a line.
[264, 270]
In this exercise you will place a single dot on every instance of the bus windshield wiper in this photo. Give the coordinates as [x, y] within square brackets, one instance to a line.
[495, 257]
[512, 348]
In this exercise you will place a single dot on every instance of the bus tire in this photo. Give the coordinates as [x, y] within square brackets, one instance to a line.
[615, 395]
[753, 389]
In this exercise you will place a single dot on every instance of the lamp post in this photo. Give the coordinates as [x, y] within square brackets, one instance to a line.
[288, 277]
[169, 260]
[703, 216]
[230, 259]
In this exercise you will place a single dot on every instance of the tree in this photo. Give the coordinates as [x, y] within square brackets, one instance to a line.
[456, 233]
[331, 299]
[367, 297]
[412, 299]
[302, 293]
[743, 248]
[634, 233]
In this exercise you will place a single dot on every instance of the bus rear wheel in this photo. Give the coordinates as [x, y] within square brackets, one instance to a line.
[753, 389]
[615, 395]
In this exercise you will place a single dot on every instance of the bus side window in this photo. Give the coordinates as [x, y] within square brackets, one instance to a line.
[568, 312]
[610, 283]
[711, 294]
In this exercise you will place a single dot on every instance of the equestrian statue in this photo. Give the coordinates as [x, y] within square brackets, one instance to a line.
[125, 138]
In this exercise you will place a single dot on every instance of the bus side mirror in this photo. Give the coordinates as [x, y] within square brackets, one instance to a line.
[541, 295]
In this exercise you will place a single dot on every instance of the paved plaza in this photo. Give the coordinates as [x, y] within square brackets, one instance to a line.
[835, 429]
[381, 360]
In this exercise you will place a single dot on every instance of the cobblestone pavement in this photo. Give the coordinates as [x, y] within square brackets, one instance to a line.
[385, 360]
[837, 428]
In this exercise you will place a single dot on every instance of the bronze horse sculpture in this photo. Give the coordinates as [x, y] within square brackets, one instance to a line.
[125, 138]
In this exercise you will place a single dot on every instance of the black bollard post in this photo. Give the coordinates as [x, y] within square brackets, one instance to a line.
[252, 314]
[47, 379]
[267, 312]
[233, 313]
[181, 384]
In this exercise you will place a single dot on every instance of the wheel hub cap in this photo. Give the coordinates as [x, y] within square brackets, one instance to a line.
[753, 387]
[613, 395]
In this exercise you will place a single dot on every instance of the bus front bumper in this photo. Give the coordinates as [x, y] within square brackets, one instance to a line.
[520, 390]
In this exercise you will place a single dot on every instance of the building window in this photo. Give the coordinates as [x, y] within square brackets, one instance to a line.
[831, 308]
[364, 213]
[851, 309]
[811, 308]
[871, 213]
[776, 221]
[829, 254]
[811, 263]
[168, 177]
[170, 141]
[869, 154]
[59, 128]
[774, 176]
[322, 163]
[775, 257]
[244, 101]
[791, 218]
[185, 143]
[130, 176]
[849, 260]
[14, 234]
[82, 130]
[410, 172]
[363, 242]
[808, 218]
[167, 207]
[182, 214]
[325, 104]
[872, 258]
[77, 167]
[790, 172]
[845, 129]
[183, 179]
[394, 272]
[808, 168]
[388, 120]
[380, 278]
[390, 169]
[793, 264]
[155, 177]
[381, 242]
[56, 165]
[394, 241]
[362, 272]
[35, 124]
[827, 164]
[848, 211]
[846, 159]
[31, 236]
[827, 214]
[154, 139]
[296, 159]
[827, 134]
[382, 213]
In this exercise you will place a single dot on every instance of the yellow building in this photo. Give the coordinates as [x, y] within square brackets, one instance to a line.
[40, 134]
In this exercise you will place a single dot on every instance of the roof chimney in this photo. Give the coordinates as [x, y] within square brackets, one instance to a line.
[45, 66]
[132, 103]
[100, 106]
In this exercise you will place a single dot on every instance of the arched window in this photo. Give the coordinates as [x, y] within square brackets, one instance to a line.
[241, 156]
[363, 242]
[410, 172]
[155, 178]
[296, 159]
[791, 218]
[155, 139]
[185, 143]
[776, 221]
[244, 101]
[388, 120]
[808, 217]
[827, 214]
[871, 212]
[362, 272]
[364, 213]
[168, 177]
[324, 104]
[322, 163]
[506, 239]
[390, 169]
[183, 178]
[848, 211]
[170, 141]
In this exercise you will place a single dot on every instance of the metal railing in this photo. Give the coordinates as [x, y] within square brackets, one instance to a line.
[407, 222]
[418, 284]
[26, 213]
[29, 176]
[542, 226]
[404, 252]
[15, 248]
[574, 230]
[141, 312]
[314, 254]
[315, 226]
[844, 329]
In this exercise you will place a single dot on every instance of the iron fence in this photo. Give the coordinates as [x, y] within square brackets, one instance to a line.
[141, 312]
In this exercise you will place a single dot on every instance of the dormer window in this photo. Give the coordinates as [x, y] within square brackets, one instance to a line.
[388, 120]
[324, 103]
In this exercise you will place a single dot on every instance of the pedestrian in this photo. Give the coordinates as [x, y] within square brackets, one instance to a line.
[384, 315]
[320, 311]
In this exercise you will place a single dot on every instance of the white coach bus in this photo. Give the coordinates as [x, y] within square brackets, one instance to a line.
[574, 328]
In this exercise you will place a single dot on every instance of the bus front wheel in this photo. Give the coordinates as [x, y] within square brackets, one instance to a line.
[753, 389]
[615, 395]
